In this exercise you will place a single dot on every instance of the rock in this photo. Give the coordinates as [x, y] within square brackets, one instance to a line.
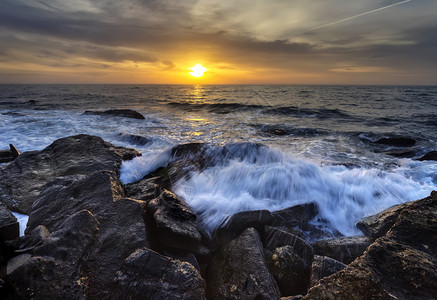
[324, 266]
[127, 113]
[295, 216]
[432, 155]
[9, 155]
[404, 153]
[344, 249]
[122, 228]
[240, 221]
[397, 141]
[9, 227]
[402, 264]
[53, 271]
[174, 222]
[149, 275]
[22, 180]
[238, 270]
[275, 237]
[292, 273]
[145, 189]
[134, 139]
[377, 225]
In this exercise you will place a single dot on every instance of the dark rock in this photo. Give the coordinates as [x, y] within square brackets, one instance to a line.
[295, 216]
[52, 271]
[238, 271]
[402, 264]
[324, 266]
[377, 225]
[22, 180]
[276, 131]
[292, 273]
[173, 223]
[9, 227]
[149, 275]
[127, 113]
[429, 156]
[122, 228]
[9, 155]
[404, 153]
[397, 141]
[275, 237]
[240, 221]
[134, 139]
[145, 189]
[344, 249]
[34, 238]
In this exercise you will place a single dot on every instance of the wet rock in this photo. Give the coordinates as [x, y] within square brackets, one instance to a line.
[173, 223]
[53, 271]
[22, 180]
[344, 249]
[429, 156]
[9, 227]
[240, 221]
[405, 153]
[238, 270]
[134, 139]
[323, 266]
[402, 264]
[145, 189]
[126, 113]
[292, 273]
[122, 228]
[275, 237]
[149, 275]
[295, 216]
[397, 141]
[9, 155]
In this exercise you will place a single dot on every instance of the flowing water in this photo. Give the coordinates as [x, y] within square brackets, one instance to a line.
[289, 144]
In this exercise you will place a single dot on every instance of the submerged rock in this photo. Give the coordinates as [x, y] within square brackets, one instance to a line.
[127, 113]
[238, 270]
[149, 275]
[402, 264]
[398, 141]
[432, 155]
[22, 180]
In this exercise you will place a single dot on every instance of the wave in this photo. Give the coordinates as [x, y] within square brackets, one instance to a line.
[220, 108]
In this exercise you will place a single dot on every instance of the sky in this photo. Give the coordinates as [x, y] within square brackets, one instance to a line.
[238, 41]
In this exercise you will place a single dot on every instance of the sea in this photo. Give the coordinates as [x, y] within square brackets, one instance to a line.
[292, 144]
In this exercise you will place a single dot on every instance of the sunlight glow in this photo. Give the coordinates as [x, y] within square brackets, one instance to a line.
[198, 70]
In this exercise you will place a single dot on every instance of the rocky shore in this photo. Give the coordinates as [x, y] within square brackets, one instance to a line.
[90, 236]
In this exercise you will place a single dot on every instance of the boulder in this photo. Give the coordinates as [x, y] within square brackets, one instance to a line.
[397, 141]
[323, 266]
[402, 264]
[344, 249]
[122, 228]
[172, 226]
[22, 180]
[432, 155]
[134, 139]
[9, 155]
[53, 270]
[292, 273]
[295, 216]
[126, 113]
[149, 275]
[238, 270]
[9, 227]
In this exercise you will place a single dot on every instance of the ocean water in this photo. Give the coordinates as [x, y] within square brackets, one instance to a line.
[289, 144]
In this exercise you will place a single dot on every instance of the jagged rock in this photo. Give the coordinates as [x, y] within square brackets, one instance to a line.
[432, 155]
[399, 141]
[324, 266]
[122, 228]
[240, 221]
[127, 113]
[22, 180]
[145, 189]
[291, 271]
[295, 216]
[53, 271]
[402, 264]
[9, 227]
[275, 237]
[173, 223]
[238, 270]
[9, 155]
[149, 275]
[344, 249]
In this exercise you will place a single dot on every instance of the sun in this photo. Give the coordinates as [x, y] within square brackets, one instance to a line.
[198, 70]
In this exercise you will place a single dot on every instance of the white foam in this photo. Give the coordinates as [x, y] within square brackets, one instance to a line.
[22, 221]
[342, 195]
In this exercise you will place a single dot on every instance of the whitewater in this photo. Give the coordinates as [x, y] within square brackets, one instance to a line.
[272, 146]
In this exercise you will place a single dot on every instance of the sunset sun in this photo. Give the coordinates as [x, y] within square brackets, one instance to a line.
[198, 70]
